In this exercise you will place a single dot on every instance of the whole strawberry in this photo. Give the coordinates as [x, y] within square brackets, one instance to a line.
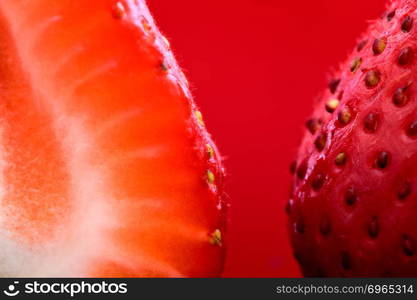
[353, 205]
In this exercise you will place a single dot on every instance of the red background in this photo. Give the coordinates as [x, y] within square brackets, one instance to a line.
[255, 66]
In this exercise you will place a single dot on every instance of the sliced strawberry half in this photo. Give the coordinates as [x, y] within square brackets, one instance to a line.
[106, 168]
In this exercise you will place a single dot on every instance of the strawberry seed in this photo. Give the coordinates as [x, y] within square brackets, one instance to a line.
[356, 63]
[340, 159]
[344, 116]
[372, 79]
[379, 46]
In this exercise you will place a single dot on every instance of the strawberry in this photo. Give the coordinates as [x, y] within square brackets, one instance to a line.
[353, 204]
[106, 166]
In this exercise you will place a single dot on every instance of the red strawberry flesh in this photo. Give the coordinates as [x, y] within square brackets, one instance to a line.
[106, 167]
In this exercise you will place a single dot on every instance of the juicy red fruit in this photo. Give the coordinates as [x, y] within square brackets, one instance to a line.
[106, 166]
[353, 206]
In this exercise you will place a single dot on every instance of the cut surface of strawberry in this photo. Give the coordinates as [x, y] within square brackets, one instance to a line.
[106, 168]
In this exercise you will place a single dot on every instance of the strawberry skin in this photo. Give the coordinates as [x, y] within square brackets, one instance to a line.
[106, 168]
[353, 204]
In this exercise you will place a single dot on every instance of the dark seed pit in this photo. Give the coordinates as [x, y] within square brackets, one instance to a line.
[302, 170]
[333, 84]
[318, 181]
[406, 57]
[299, 226]
[289, 206]
[313, 125]
[346, 261]
[412, 129]
[382, 160]
[404, 191]
[320, 141]
[371, 122]
[407, 24]
[361, 45]
[373, 228]
[325, 225]
[408, 245]
[390, 15]
[350, 196]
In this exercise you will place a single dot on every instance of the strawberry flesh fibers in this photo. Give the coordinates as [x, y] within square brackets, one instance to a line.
[106, 168]
[353, 206]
